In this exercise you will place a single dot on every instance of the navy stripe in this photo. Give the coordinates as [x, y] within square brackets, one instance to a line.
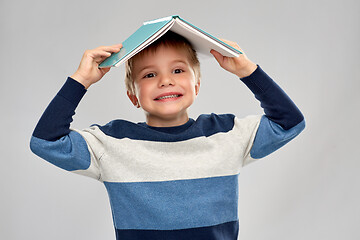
[276, 103]
[55, 121]
[225, 231]
[205, 125]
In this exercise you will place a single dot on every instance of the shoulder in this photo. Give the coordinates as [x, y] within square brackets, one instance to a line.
[120, 128]
[115, 124]
[214, 123]
[216, 119]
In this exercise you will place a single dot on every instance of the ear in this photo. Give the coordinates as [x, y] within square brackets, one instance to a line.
[133, 99]
[197, 87]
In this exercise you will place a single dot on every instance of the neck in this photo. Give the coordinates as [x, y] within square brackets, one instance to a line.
[166, 122]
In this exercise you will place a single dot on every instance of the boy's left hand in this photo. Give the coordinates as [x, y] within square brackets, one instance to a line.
[241, 66]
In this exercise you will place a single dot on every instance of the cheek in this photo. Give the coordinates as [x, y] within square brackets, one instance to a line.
[191, 86]
[143, 91]
[137, 90]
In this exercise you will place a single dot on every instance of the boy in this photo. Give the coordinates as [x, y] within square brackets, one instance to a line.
[170, 177]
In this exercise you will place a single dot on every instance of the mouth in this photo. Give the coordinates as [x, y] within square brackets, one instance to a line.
[168, 97]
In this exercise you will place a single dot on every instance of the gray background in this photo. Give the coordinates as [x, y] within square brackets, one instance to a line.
[307, 190]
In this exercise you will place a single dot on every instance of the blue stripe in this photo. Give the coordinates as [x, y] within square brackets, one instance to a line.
[225, 231]
[176, 204]
[271, 136]
[69, 152]
[205, 125]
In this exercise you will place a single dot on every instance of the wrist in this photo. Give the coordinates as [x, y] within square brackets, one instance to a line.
[80, 79]
[247, 70]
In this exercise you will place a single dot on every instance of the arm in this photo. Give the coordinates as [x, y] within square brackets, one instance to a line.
[282, 120]
[52, 138]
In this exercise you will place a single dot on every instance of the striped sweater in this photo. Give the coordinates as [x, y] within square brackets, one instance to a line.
[169, 182]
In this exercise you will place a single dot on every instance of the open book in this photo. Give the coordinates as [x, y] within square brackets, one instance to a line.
[150, 31]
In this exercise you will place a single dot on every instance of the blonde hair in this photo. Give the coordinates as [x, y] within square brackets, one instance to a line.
[169, 39]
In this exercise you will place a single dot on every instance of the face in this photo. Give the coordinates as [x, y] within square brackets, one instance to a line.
[165, 86]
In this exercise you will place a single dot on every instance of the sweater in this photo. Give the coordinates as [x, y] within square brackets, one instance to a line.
[169, 182]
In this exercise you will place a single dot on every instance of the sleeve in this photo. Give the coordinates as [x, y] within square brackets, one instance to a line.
[282, 120]
[54, 141]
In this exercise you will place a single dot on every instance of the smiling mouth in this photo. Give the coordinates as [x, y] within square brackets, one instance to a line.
[168, 97]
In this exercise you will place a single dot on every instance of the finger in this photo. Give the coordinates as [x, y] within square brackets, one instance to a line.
[232, 44]
[117, 45]
[97, 53]
[101, 56]
[228, 42]
[113, 48]
[224, 40]
[94, 56]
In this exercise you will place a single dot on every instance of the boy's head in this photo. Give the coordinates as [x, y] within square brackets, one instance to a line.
[169, 39]
[164, 78]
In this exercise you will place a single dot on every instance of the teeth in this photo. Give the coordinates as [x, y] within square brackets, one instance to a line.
[169, 96]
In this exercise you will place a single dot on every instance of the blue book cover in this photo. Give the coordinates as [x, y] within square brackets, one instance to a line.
[150, 31]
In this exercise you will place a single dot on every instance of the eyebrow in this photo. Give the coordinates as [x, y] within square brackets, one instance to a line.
[152, 66]
[147, 66]
[179, 60]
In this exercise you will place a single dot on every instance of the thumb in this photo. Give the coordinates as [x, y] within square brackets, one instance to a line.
[219, 58]
[104, 70]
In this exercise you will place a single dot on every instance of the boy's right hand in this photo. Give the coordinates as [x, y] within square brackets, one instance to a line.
[88, 71]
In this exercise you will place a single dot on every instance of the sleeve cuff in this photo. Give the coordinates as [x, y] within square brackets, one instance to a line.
[73, 91]
[258, 82]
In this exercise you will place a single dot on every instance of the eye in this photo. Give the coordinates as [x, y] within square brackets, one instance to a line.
[178, 70]
[149, 75]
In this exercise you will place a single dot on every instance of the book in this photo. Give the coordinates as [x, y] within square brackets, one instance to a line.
[150, 31]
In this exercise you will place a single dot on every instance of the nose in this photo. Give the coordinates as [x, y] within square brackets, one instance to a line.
[166, 80]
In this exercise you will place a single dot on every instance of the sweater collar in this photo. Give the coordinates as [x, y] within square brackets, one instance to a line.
[171, 130]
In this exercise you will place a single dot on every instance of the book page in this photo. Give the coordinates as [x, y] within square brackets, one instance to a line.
[202, 41]
[146, 43]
